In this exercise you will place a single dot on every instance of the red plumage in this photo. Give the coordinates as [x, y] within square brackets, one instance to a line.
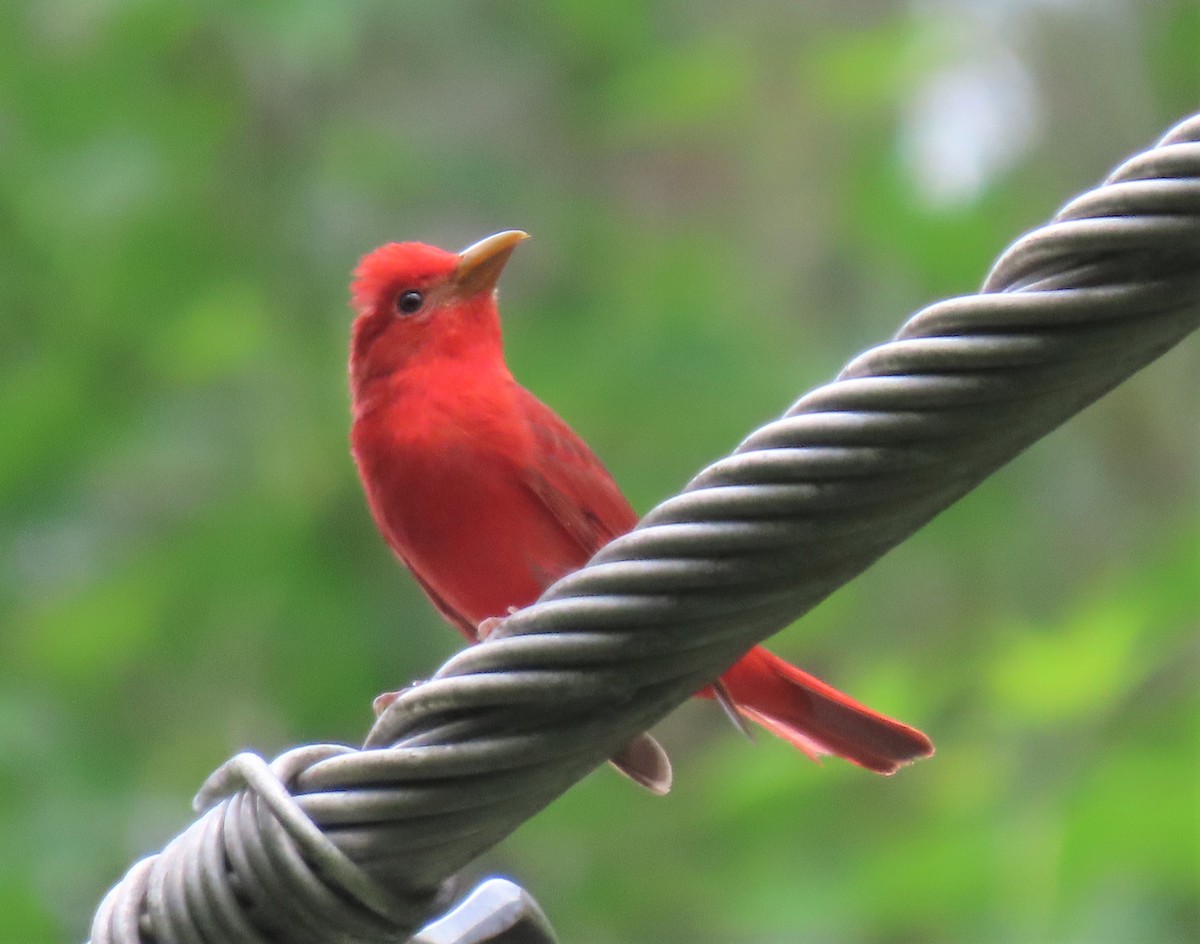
[488, 496]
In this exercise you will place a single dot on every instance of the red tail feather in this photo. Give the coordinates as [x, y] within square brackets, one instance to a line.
[817, 718]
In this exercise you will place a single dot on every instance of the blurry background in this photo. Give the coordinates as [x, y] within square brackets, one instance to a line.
[728, 201]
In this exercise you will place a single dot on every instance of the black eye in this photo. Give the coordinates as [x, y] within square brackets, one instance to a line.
[408, 303]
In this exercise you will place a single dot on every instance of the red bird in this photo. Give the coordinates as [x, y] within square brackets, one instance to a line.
[488, 497]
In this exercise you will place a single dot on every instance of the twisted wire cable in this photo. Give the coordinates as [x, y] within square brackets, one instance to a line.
[331, 843]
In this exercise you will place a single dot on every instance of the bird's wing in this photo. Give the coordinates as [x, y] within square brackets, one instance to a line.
[459, 620]
[572, 483]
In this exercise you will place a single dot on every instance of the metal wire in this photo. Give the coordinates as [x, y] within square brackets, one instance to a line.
[329, 843]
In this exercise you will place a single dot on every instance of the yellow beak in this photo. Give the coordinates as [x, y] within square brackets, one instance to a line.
[480, 264]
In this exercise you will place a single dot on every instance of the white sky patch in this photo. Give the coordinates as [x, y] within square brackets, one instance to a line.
[966, 124]
[971, 120]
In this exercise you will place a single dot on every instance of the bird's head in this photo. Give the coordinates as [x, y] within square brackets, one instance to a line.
[415, 301]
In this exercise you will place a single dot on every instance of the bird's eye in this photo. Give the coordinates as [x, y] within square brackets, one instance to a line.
[408, 303]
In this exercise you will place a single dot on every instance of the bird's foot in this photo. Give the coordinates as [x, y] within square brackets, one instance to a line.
[491, 624]
[383, 702]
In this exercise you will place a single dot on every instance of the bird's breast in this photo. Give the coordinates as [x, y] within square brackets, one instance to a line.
[449, 487]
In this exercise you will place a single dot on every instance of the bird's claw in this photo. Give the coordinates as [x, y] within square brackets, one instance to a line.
[383, 702]
[488, 626]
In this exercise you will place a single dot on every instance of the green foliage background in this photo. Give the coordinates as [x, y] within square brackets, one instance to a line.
[728, 201]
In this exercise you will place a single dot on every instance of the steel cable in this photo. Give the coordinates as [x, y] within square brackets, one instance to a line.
[330, 843]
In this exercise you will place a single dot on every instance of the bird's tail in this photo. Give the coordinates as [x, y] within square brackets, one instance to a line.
[816, 717]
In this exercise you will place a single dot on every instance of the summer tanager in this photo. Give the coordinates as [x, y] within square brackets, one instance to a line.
[488, 496]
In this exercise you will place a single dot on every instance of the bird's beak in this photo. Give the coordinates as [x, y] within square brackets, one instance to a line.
[480, 264]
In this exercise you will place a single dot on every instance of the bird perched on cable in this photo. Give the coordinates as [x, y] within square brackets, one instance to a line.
[489, 497]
